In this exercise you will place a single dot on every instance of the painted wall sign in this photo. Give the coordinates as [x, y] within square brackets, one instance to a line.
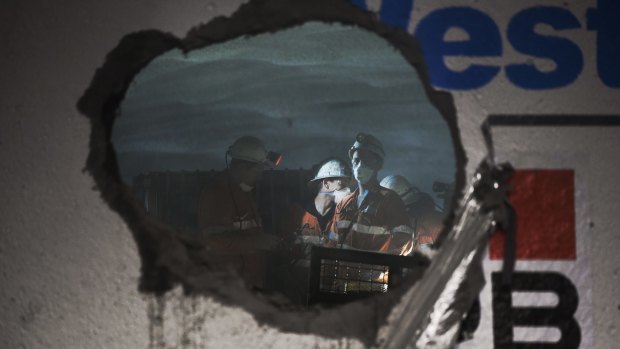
[550, 301]
[485, 39]
[548, 304]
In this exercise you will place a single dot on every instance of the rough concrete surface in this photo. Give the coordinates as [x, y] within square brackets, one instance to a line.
[69, 264]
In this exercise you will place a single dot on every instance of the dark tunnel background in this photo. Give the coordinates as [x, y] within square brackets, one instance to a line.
[306, 92]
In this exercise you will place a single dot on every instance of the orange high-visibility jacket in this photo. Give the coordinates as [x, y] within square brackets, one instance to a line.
[306, 220]
[382, 224]
[428, 227]
[231, 226]
[223, 206]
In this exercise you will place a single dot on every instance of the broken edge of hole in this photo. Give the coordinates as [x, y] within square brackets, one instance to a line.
[162, 271]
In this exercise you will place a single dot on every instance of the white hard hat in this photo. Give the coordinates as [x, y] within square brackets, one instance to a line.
[333, 168]
[248, 148]
[402, 187]
[368, 142]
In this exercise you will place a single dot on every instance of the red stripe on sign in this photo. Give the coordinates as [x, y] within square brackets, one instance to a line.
[545, 204]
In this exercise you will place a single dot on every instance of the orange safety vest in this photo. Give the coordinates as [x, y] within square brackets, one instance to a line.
[381, 224]
[230, 225]
[306, 222]
[428, 227]
[223, 206]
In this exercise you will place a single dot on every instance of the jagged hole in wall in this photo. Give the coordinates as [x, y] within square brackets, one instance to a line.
[231, 159]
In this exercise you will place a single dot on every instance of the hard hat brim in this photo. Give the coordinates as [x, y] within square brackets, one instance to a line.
[316, 180]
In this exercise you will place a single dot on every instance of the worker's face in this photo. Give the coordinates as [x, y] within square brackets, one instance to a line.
[250, 172]
[331, 185]
[338, 188]
[365, 166]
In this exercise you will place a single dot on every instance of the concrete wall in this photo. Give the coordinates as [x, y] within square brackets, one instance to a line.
[69, 266]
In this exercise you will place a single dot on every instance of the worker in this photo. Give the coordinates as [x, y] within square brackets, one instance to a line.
[372, 217]
[310, 220]
[228, 216]
[307, 224]
[425, 219]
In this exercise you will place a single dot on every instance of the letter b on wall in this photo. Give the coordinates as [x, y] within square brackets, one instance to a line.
[506, 317]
